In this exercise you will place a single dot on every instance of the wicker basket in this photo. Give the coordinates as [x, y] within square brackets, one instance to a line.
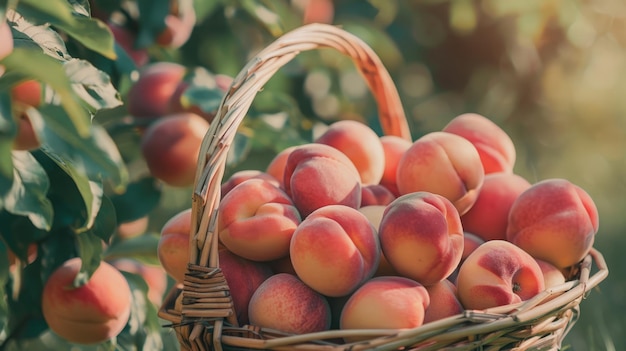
[201, 310]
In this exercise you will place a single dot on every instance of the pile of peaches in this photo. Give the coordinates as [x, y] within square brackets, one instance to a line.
[360, 231]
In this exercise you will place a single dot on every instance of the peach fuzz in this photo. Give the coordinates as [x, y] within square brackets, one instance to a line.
[495, 147]
[276, 167]
[243, 278]
[376, 194]
[133, 228]
[554, 220]
[335, 250]
[374, 214]
[444, 164]
[498, 273]
[243, 175]
[91, 313]
[394, 147]
[386, 303]
[552, 276]
[489, 216]
[173, 247]
[283, 302]
[421, 237]
[256, 220]
[317, 175]
[362, 146]
[443, 301]
[149, 96]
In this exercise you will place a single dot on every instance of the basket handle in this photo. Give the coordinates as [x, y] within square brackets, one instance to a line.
[239, 97]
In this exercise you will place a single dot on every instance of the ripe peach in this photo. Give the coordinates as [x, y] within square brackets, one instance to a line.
[554, 220]
[317, 175]
[445, 164]
[552, 276]
[132, 228]
[386, 303]
[126, 39]
[362, 146]
[394, 148]
[276, 167]
[171, 146]
[374, 214]
[470, 243]
[243, 277]
[92, 313]
[243, 175]
[498, 273]
[149, 96]
[6, 39]
[178, 25]
[376, 194]
[28, 93]
[334, 250]
[154, 276]
[173, 248]
[256, 220]
[26, 137]
[489, 215]
[495, 147]
[421, 236]
[283, 302]
[443, 301]
[318, 11]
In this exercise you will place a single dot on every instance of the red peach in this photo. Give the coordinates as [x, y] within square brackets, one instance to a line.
[91, 313]
[178, 25]
[283, 302]
[28, 93]
[444, 164]
[374, 214]
[443, 301]
[470, 243]
[171, 146]
[126, 39]
[276, 167]
[6, 39]
[133, 228]
[317, 175]
[489, 216]
[552, 276]
[173, 248]
[362, 146]
[495, 147]
[334, 250]
[243, 175]
[149, 96]
[318, 11]
[376, 194]
[421, 236]
[554, 220]
[498, 273]
[154, 276]
[26, 137]
[386, 303]
[394, 148]
[256, 221]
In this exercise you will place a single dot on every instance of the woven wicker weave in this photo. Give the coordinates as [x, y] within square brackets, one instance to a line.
[201, 310]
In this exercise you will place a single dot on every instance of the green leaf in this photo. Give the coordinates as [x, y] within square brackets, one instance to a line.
[239, 150]
[264, 15]
[142, 248]
[28, 195]
[39, 66]
[202, 91]
[8, 129]
[92, 85]
[28, 35]
[49, 341]
[139, 199]
[90, 32]
[96, 155]
[18, 232]
[151, 20]
[106, 221]
[59, 246]
[90, 252]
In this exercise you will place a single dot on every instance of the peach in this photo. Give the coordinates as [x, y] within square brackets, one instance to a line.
[470, 243]
[443, 301]
[133, 228]
[180, 103]
[243, 277]
[243, 175]
[495, 147]
[318, 11]
[362, 146]
[178, 25]
[149, 96]
[386, 303]
[421, 236]
[126, 39]
[26, 137]
[88, 314]
[154, 276]
[173, 248]
[444, 164]
[335, 250]
[27, 93]
[171, 146]
[6, 38]
[256, 220]
[394, 148]
[554, 220]
[283, 302]
[276, 167]
[552, 276]
[498, 273]
[489, 216]
[374, 214]
[376, 194]
[317, 175]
